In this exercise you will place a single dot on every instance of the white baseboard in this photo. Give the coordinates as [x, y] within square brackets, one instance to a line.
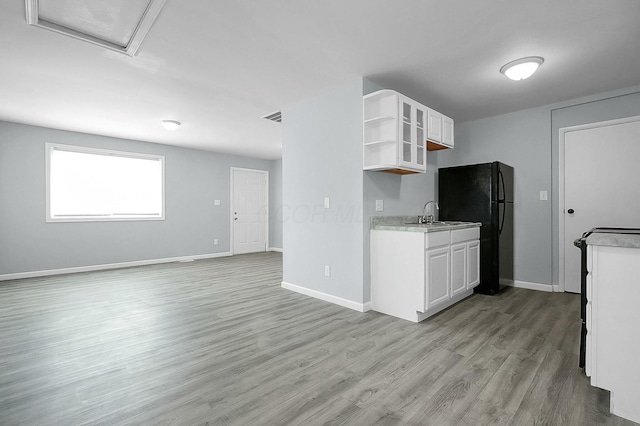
[356, 306]
[34, 274]
[278, 249]
[533, 286]
[556, 288]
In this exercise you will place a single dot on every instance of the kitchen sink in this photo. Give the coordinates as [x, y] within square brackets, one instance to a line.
[437, 223]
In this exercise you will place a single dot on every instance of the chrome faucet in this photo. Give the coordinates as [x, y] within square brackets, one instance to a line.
[428, 218]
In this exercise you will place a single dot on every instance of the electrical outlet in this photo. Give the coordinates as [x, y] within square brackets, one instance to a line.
[215, 242]
[379, 205]
[543, 195]
[216, 202]
[327, 271]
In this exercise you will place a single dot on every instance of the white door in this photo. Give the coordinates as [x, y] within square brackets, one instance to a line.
[601, 186]
[249, 210]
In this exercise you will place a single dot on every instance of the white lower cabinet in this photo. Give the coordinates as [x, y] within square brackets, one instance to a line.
[437, 266]
[465, 260]
[473, 264]
[613, 335]
[416, 274]
[458, 268]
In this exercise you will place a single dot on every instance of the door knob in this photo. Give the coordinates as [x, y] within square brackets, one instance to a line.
[570, 211]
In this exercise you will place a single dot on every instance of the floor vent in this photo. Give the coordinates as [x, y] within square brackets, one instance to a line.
[274, 116]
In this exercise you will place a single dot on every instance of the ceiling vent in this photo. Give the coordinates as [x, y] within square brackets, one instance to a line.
[118, 25]
[274, 116]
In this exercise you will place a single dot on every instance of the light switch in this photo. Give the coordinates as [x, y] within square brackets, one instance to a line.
[216, 202]
[543, 195]
[327, 271]
[326, 202]
[379, 205]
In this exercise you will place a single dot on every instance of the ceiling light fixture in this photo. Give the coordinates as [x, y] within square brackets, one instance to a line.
[523, 68]
[171, 124]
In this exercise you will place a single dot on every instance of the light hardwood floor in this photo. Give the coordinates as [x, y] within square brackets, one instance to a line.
[218, 342]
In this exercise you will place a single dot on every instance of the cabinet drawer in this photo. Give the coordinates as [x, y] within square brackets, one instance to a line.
[467, 234]
[436, 239]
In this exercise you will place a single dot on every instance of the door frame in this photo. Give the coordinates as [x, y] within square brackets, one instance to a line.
[561, 180]
[266, 194]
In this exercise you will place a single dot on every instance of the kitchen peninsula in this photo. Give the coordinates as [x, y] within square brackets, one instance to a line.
[419, 269]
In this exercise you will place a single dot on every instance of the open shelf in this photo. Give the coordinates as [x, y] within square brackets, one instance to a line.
[380, 142]
[379, 119]
[380, 105]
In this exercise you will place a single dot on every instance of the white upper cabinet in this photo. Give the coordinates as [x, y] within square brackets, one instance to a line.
[440, 131]
[447, 131]
[399, 131]
[434, 132]
[394, 129]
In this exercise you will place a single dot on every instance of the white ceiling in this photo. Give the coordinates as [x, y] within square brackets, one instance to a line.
[218, 66]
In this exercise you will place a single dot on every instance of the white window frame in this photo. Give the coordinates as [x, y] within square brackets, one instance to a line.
[50, 147]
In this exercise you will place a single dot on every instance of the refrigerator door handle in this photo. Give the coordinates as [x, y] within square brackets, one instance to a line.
[504, 195]
[504, 211]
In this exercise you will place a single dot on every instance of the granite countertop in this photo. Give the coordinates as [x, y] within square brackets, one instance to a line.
[409, 224]
[628, 240]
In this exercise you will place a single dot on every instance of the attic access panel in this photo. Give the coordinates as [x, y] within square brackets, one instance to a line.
[118, 25]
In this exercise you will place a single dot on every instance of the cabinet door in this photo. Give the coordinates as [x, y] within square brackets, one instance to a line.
[406, 150]
[458, 268]
[473, 264]
[434, 125]
[421, 137]
[437, 278]
[447, 131]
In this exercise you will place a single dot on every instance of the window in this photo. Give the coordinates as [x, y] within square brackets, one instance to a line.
[88, 184]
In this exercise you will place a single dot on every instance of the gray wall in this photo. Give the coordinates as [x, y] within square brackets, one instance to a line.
[194, 179]
[275, 205]
[322, 157]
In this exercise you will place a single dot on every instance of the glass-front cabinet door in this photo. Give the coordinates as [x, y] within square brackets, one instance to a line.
[406, 133]
[412, 147]
[420, 137]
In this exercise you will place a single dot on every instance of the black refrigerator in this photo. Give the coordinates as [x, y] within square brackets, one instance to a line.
[483, 193]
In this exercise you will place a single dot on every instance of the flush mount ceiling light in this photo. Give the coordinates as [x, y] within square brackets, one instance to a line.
[171, 124]
[118, 25]
[523, 68]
